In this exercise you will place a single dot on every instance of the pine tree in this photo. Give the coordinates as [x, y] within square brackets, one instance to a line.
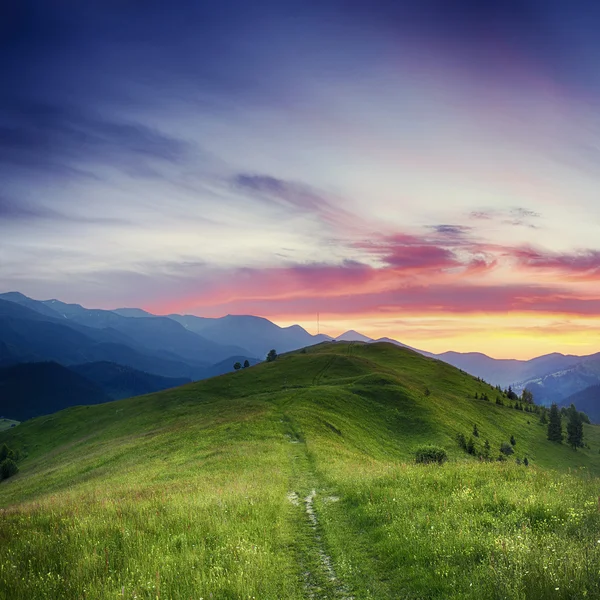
[471, 446]
[555, 425]
[475, 431]
[574, 428]
[486, 449]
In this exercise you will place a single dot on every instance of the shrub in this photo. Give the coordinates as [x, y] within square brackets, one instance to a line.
[8, 468]
[461, 440]
[506, 448]
[513, 442]
[430, 454]
[475, 431]
[526, 462]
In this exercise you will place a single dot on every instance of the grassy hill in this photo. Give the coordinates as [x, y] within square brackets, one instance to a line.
[296, 479]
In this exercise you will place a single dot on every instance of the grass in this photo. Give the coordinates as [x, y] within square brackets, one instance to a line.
[7, 423]
[203, 491]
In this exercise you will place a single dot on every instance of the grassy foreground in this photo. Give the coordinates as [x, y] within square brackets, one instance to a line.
[295, 479]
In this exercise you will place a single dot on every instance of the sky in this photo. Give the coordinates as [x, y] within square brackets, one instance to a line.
[424, 170]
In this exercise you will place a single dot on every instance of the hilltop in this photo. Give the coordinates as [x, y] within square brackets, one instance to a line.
[296, 479]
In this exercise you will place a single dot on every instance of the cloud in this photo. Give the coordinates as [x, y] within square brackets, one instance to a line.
[57, 139]
[298, 291]
[301, 198]
[451, 230]
[516, 216]
[12, 210]
[584, 264]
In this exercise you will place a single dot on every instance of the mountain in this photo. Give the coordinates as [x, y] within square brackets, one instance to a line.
[29, 336]
[587, 401]
[135, 313]
[256, 334]
[159, 334]
[161, 337]
[505, 372]
[199, 342]
[32, 389]
[559, 385]
[118, 381]
[297, 479]
[353, 336]
[35, 305]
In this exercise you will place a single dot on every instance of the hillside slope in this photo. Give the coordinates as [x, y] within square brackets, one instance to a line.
[295, 479]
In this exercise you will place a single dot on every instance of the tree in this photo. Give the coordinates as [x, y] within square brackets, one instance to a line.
[475, 431]
[527, 396]
[486, 449]
[526, 462]
[554, 425]
[512, 440]
[574, 428]
[506, 448]
[272, 355]
[237, 366]
[511, 395]
[471, 446]
[4, 452]
[8, 468]
[246, 364]
[544, 417]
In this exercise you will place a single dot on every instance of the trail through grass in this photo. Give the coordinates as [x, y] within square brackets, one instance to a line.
[295, 480]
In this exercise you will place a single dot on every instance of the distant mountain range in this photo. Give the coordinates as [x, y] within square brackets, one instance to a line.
[128, 351]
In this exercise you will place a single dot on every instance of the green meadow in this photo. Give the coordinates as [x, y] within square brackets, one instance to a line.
[296, 479]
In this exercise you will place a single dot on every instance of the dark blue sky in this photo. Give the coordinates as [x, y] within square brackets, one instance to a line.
[151, 153]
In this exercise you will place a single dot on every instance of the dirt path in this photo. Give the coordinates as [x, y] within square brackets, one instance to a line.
[321, 582]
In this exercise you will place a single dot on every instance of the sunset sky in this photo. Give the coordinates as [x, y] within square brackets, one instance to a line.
[424, 170]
